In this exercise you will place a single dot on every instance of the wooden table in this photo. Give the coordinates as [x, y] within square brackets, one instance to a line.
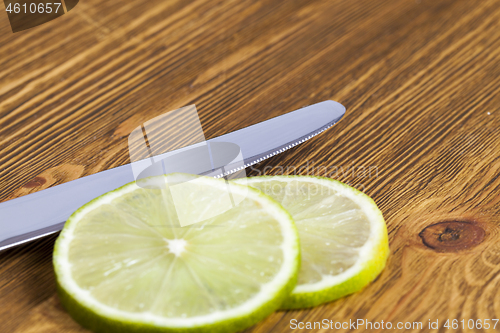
[420, 80]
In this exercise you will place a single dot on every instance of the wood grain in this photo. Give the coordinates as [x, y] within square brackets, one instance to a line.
[420, 80]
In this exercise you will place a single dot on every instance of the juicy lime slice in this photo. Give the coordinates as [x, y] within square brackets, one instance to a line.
[124, 263]
[343, 236]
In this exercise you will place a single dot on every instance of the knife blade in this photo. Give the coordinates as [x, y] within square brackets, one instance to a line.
[41, 213]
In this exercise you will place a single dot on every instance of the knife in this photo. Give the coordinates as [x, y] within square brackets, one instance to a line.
[42, 213]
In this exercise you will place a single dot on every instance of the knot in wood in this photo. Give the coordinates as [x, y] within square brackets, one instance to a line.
[452, 236]
[35, 182]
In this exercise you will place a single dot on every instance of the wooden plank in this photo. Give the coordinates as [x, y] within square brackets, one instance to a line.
[420, 80]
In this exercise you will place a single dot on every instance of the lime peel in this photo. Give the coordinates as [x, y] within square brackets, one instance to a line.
[371, 257]
[99, 317]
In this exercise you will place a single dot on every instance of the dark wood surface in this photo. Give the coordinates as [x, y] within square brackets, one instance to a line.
[420, 80]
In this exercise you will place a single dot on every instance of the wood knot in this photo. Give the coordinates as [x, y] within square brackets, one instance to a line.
[35, 182]
[452, 236]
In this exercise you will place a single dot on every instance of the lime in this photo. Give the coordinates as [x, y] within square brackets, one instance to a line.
[343, 236]
[124, 262]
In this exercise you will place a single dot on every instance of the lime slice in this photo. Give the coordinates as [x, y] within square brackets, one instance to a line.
[343, 236]
[124, 263]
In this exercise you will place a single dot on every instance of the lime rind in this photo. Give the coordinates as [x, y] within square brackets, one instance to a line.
[372, 255]
[102, 318]
[352, 282]
[91, 318]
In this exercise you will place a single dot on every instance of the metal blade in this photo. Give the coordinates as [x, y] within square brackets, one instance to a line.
[268, 138]
[44, 212]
